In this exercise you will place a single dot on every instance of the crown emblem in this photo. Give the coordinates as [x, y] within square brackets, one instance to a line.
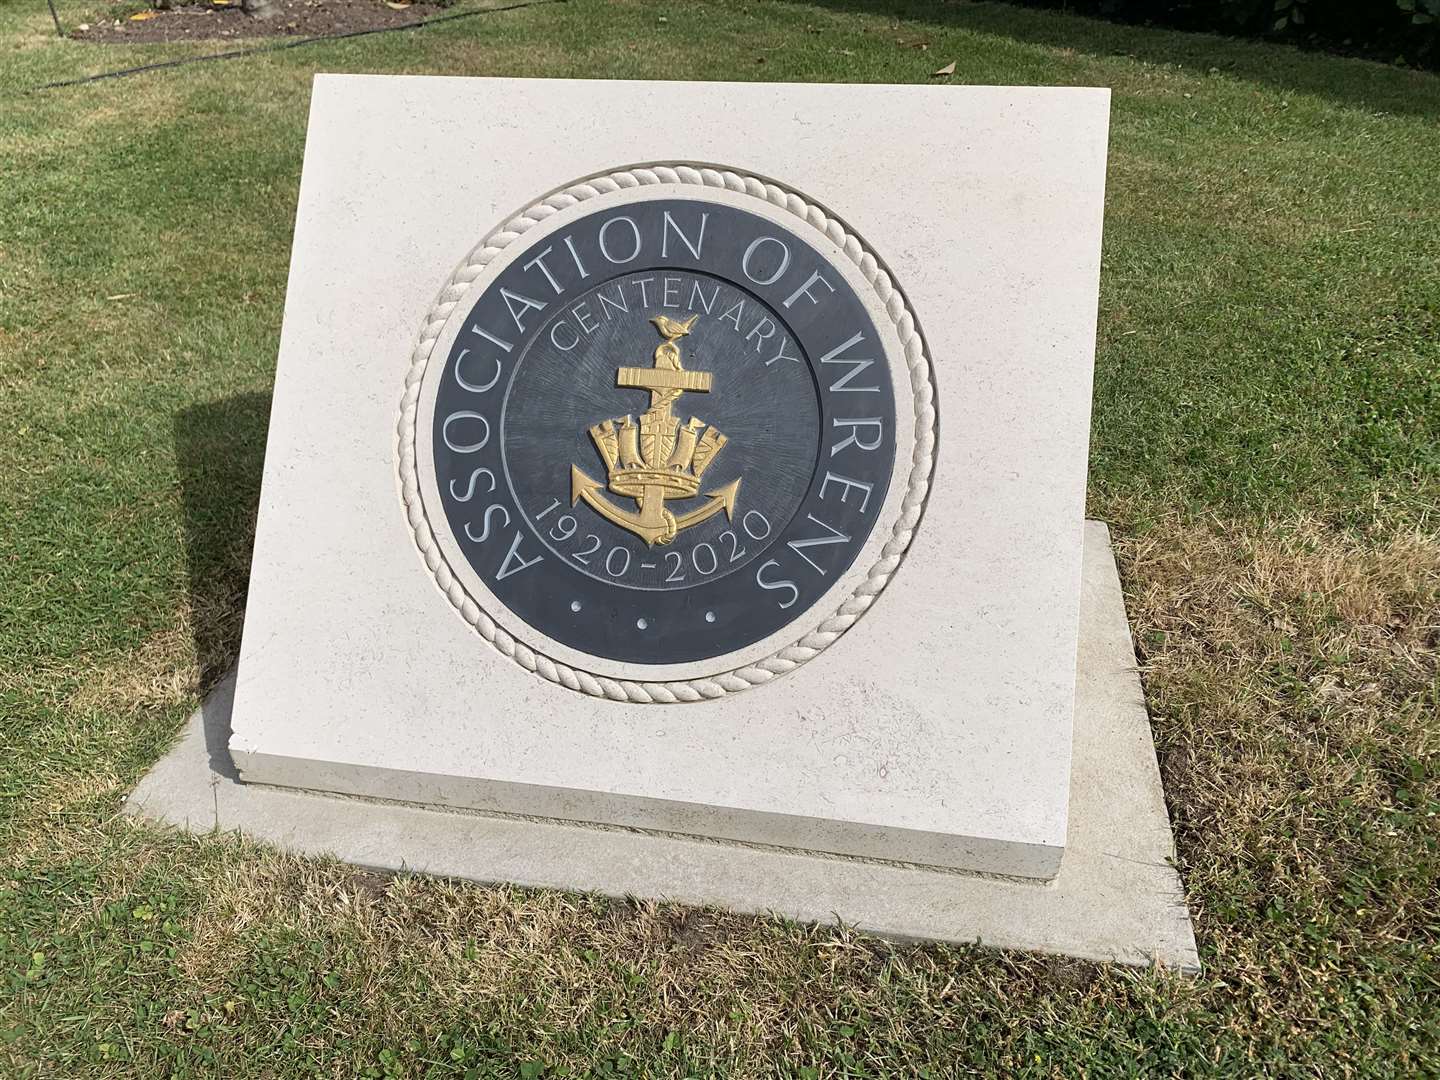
[656, 458]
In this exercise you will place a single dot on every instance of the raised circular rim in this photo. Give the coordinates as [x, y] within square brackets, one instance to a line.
[822, 633]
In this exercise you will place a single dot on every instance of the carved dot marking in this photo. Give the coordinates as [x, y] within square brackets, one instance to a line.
[642, 624]
[574, 605]
[709, 616]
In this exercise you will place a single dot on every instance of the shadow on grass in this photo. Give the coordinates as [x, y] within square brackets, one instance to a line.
[220, 450]
[1361, 84]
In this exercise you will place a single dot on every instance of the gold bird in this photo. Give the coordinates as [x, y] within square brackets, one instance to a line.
[670, 329]
[667, 355]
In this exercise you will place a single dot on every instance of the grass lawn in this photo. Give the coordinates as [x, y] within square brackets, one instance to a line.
[1266, 443]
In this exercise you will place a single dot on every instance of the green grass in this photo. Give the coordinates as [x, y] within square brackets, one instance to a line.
[1266, 440]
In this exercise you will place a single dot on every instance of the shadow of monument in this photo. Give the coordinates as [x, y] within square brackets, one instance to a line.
[220, 453]
[1368, 85]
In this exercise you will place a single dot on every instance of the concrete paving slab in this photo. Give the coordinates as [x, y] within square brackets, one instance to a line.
[1117, 895]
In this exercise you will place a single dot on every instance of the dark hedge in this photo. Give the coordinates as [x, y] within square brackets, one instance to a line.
[1393, 30]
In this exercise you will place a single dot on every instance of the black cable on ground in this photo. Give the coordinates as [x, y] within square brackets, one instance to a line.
[289, 43]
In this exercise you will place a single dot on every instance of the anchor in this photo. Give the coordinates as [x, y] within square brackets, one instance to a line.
[657, 459]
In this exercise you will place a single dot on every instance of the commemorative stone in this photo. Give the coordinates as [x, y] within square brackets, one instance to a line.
[645, 469]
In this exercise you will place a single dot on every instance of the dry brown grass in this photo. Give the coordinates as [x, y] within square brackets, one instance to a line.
[1292, 674]
[168, 672]
[545, 966]
[1294, 681]
[161, 673]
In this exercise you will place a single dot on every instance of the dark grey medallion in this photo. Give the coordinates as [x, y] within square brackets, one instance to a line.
[664, 431]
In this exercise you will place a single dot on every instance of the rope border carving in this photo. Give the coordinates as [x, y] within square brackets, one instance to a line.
[812, 643]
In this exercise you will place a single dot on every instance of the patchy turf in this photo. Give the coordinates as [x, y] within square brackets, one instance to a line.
[1266, 435]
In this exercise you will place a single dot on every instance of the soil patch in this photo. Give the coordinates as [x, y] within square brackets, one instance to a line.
[290, 18]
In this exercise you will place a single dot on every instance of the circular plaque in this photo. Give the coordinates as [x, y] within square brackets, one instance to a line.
[666, 434]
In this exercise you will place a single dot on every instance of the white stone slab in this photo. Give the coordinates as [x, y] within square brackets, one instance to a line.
[1117, 895]
[938, 730]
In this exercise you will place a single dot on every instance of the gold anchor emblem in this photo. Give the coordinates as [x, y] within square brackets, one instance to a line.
[657, 459]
